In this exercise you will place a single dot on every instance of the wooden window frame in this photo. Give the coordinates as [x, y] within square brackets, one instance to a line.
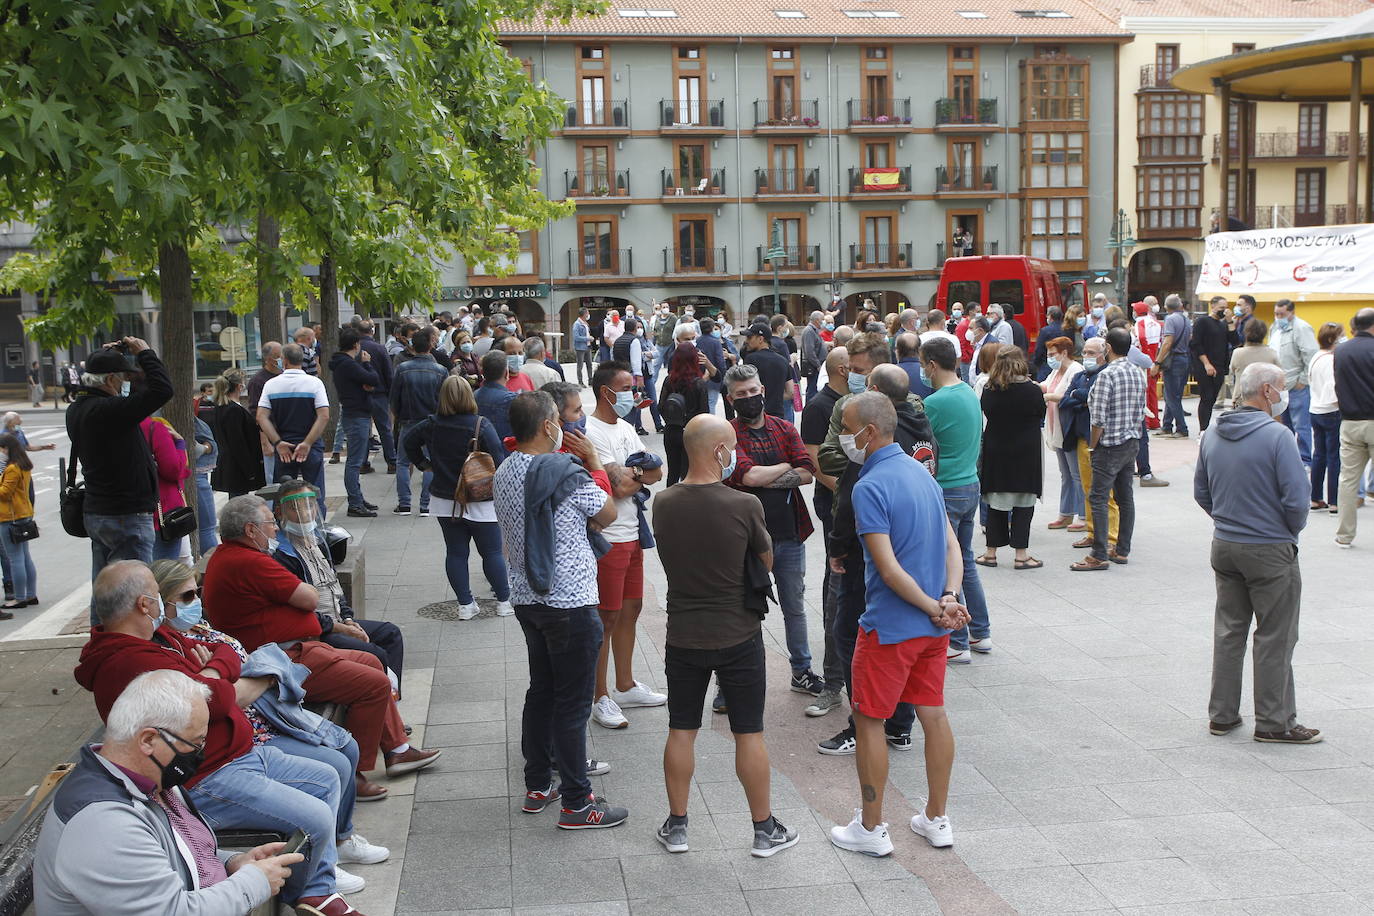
[1232, 182]
[614, 220]
[1050, 201]
[1029, 162]
[867, 143]
[773, 145]
[710, 246]
[686, 68]
[678, 146]
[892, 216]
[1162, 50]
[1063, 64]
[789, 50]
[800, 217]
[951, 160]
[1147, 223]
[581, 170]
[1171, 141]
[952, 218]
[880, 68]
[1319, 212]
[963, 66]
[534, 257]
[1319, 147]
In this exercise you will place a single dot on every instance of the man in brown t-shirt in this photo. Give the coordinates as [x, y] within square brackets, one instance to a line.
[710, 631]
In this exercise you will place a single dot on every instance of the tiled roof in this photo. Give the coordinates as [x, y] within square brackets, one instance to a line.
[828, 19]
[1241, 9]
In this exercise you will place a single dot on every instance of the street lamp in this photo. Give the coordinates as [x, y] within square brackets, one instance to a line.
[1120, 241]
[775, 254]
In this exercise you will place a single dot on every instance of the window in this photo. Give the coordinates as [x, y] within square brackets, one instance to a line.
[963, 165]
[1169, 197]
[689, 53]
[879, 233]
[1056, 228]
[598, 244]
[1311, 129]
[689, 104]
[873, 14]
[595, 169]
[785, 161]
[964, 90]
[1043, 14]
[1170, 126]
[1166, 62]
[789, 14]
[1233, 127]
[591, 53]
[783, 53]
[973, 14]
[1010, 293]
[594, 106]
[783, 98]
[1056, 91]
[693, 243]
[1310, 198]
[1056, 161]
[871, 53]
[1242, 47]
[790, 238]
[877, 154]
[963, 52]
[876, 103]
[691, 167]
[523, 264]
[1232, 194]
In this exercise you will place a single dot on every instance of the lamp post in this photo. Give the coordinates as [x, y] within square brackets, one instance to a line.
[1121, 242]
[775, 254]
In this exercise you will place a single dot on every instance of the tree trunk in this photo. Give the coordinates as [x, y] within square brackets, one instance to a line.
[329, 335]
[179, 351]
[270, 326]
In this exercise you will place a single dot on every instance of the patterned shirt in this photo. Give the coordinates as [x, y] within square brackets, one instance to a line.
[1116, 402]
[262, 732]
[574, 573]
[776, 442]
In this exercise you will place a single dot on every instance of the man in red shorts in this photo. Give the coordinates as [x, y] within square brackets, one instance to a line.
[913, 569]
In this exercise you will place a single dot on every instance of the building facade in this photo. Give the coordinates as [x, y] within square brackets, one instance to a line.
[1170, 172]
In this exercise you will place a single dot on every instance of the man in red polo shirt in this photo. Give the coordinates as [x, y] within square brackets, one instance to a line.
[255, 599]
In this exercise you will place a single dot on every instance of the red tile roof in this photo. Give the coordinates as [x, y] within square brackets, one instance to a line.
[1240, 9]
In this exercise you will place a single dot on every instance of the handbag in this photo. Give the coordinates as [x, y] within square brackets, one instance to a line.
[24, 529]
[477, 477]
[71, 500]
[174, 525]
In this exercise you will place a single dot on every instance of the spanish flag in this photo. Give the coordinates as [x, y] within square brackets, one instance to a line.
[881, 179]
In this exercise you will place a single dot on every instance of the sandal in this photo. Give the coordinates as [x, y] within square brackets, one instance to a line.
[1064, 523]
[1086, 541]
[983, 561]
[1078, 526]
[1089, 564]
[1318, 504]
[1028, 563]
[1117, 558]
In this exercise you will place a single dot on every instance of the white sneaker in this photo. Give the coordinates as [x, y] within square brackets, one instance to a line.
[983, 646]
[936, 830]
[855, 838]
[608, 715]
[357, 849]
[346, 882]
[957, 657]
[639, 695]
[597, 767]
[504, 609]
[468, 611]
[1345, 545]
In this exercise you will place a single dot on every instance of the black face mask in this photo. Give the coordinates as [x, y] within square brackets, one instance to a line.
[183, 765]
[749, 408]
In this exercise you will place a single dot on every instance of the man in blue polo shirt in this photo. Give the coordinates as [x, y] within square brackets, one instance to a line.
[293, 412]
[912, 556]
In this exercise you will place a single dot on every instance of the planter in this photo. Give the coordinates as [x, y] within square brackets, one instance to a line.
[987, 186]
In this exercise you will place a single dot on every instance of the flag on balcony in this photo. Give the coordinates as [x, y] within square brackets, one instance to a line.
[881, 179]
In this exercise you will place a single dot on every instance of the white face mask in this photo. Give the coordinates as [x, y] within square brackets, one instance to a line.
[1277, 409]
[849, 442]
[557, 437]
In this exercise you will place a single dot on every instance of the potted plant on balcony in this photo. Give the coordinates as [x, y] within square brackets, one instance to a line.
[987, 181]
[810, 262]
[987, 111]
[621, 188]
[602, 189]
[763, 181]
[901, 258]
[715, 185]
[809, 122]
[810, 183]
[859, 260]
[944, 111]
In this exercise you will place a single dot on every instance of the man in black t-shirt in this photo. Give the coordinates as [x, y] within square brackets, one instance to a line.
[774, 371]
[1211, 356]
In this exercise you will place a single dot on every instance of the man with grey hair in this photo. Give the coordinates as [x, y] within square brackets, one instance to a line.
[812, 355]
[121, 836]
[1172, 362]
[293, 411]
[1251, 481]
[113, 454]
[305, 339]
[1295, 342]
[534, 367]
[999, 328]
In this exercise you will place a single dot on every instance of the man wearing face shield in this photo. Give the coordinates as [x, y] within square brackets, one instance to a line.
[301, 549]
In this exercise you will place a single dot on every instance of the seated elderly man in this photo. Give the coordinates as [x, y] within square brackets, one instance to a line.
[256, 600]
[122, 837]
[234, 782]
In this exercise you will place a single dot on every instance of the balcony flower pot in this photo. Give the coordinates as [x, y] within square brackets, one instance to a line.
[620, 189]
[987, 186]
[944, 111]
[602, 190]
[944, 186]
[987, 111]
[809, 122]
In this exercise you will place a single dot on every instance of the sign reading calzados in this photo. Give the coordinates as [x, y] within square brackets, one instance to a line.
[530, 291]
[1329, 260]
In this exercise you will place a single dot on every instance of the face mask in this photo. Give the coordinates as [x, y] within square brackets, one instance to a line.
[749, 408]
[925, 379]
[466, 348]
[1282, 323]
[557, 438]
[1081, 321]
[957, 314]
[1090, 362]
[624, 403]
[183, 765]
[188, 614]
[857, 383]
[300, 529]
[124, 389]
[514, 362]
[830, 325]
[690, 314]
[1238, 312]
[269, 546]
[849, 442]
[968, 335]
[1277, 410]
[1054, 362]
[578, 426]
[279, 364]
[716, 334]
[510, 328]
[1097, 312]
[161, 617]
[728, 469]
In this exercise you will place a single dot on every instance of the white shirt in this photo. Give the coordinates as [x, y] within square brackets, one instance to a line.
[539, 373]
[614, 445]
[1148, 329]
[1321, 378]
[610, 332]
[928, 336]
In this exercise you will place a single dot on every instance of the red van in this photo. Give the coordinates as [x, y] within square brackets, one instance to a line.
[1029, 286]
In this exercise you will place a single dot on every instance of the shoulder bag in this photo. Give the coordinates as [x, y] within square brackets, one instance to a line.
[24, 529]
[71, 500]
[477, 476]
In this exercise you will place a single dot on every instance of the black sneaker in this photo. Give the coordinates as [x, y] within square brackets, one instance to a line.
[334, 458]
[365, 469]
[808, 682]
[900, 742]
[842, 745]
[401, 510]
[391, 467]
[718, 705]
[596, 814]
[372, 506]
[361, 512]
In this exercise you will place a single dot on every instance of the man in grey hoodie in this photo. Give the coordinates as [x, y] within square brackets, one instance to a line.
[1252, 483]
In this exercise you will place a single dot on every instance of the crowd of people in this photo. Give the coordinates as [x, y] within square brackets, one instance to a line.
[914, 432]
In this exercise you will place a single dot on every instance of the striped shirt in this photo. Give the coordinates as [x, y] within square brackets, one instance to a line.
[293, 397]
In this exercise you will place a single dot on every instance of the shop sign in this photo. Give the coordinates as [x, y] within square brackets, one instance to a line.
[526, 291]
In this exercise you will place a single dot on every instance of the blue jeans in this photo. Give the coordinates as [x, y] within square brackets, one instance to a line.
[311, 470]
[563, 644]
[119, 537]
[712, 396]
[403, 472]
[1112, 476]
[811, 382]
[662, 362]
[205, 513]
[24, 576]
[343, 761]
[961, 505]
[1298, 418]
[487, 535]
[789, 572]
[356, 428]
[1175, 378]
[1070, 484]
[1326, 455]
[1142, 458]
[381, 417]
[9, 583]
[268, 789]
[168, 550]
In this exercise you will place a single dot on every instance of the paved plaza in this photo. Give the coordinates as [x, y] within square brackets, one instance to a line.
[1085, 779]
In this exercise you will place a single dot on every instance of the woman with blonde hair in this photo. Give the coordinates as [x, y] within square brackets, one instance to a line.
[238, 465]
[1010, 473]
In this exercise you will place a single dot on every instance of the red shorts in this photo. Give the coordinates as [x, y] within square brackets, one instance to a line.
[620, 575]
[912, 671]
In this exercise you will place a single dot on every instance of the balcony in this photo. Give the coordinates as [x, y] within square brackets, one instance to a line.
[787, 182]
[693, 261]
[880, 257]
[1285, 216]
[966, 181]
[960, 115]
[615, 262]
[680, 185]
[940, 251]
[879, 115]
[894, 180]
[778, 116]
[1153, 76]
[1281, 145]
[604, 117]
[691, 116]
[594, 183]
[799, 258]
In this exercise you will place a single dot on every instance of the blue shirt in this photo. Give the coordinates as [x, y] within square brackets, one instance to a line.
[896, 496]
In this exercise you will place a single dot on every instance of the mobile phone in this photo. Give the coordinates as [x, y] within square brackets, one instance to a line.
[295, 843]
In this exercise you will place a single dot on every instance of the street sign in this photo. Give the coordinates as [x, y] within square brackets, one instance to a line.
[231, 342]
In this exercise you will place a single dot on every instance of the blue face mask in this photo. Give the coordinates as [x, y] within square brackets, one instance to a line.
[729, 469]
[1082, 321]
[1238, 311]
[514, 361]
[466, 348]
[1283, 323]
[1097, 311]
[830, 325]
[956, 314]
[510, 328]
[857, 383]
[716, 334]
[1090, 362]
[188, 614]
[925, 379]
[124, 389]
[279, 364]
[624, 403]
[579, 426]
[1054, 362]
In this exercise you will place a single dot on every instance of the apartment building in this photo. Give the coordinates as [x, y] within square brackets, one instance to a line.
[1170, 170]
[855, 138]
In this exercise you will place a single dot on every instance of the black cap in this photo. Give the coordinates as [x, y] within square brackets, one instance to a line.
[105, 361]
[756, 330]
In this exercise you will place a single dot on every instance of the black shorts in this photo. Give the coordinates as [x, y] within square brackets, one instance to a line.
[743, 682]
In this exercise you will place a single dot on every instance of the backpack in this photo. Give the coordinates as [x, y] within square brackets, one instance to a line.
[673, 410]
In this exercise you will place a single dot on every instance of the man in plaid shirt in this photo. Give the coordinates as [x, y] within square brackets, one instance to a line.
[772, 463]
[1116, 408]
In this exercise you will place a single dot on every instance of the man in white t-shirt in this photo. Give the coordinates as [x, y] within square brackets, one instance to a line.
[620, 573]
[935, 330]
[293, 411]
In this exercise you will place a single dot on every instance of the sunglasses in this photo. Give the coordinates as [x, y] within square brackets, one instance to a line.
[188, 595]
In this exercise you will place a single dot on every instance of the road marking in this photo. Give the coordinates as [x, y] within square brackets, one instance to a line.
[52, 621]
[42, 491]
